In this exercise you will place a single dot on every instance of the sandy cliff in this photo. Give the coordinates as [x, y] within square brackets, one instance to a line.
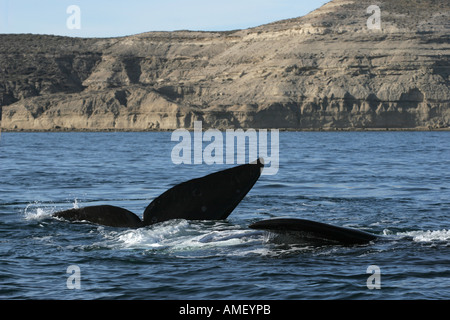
[326, 70]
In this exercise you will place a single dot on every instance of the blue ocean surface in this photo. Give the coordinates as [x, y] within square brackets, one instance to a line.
[393, 184]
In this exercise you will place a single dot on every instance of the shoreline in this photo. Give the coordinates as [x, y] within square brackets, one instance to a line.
[418, 129]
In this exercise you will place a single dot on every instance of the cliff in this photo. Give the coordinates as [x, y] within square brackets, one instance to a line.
[326, 70]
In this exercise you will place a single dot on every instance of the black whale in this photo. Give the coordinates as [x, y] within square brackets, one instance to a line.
[314, 232]
[212, 197]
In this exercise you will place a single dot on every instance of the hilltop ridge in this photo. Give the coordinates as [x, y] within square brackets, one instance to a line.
[326, 70]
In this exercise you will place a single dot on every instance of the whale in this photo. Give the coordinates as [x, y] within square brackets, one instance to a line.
[212, 197]
[295, 230]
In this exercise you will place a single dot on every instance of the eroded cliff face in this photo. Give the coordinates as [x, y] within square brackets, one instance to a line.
[326, 70]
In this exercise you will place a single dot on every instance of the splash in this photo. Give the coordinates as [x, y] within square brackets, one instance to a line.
[178, 236]
[75, 204]
[37, 211]
[41, 211]
[144, 238]
[427, 236]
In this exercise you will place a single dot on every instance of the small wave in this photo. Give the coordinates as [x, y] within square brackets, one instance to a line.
[427, 236]
[176, 236]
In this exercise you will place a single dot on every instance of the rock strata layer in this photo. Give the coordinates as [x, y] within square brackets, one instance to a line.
[327, 70]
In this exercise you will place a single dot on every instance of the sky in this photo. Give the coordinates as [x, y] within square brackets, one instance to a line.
[113, 18]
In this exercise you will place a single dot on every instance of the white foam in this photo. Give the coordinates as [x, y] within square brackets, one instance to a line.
[176, 236]
[154, 237]
[40, 211]
[37, 213]
[75, 204]
[214, 239]
[427, 236]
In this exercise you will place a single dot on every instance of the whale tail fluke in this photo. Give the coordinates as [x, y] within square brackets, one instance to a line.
[213, 197]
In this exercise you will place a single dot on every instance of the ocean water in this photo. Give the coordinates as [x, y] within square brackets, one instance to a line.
[393, 184]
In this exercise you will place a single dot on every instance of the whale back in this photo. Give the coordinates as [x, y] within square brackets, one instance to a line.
[315, 232]
[212, 197]
[102, 215]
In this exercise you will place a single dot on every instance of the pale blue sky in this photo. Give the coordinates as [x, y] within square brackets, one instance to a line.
[106, 18]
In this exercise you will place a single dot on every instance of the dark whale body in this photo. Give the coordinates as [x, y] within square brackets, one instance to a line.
[314, 232]
[102, 215]
[212, 197]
